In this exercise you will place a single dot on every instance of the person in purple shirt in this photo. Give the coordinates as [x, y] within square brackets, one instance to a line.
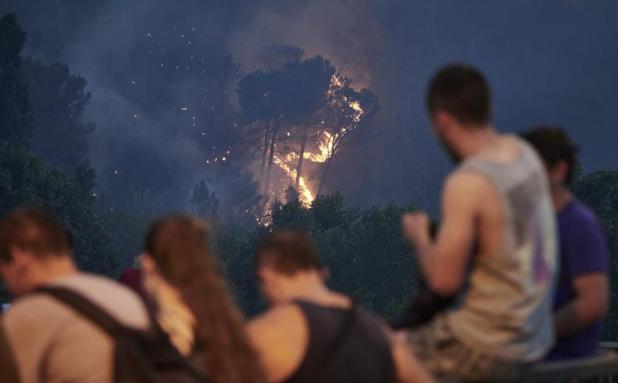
[582, 291]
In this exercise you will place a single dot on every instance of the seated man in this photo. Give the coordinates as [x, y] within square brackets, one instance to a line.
[313, 334]
[582, 295]
[498, 201]
[49, 341]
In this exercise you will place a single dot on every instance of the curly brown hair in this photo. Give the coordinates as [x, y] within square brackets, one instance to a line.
[178, 244]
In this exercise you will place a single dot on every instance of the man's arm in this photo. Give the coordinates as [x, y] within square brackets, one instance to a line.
[589, 306]
[444, 260]
[585, 259]
[407, 368]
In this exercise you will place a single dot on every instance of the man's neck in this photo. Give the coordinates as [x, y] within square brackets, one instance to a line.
[478, 138]
[561, 196]
[53, 270]
[312, 288]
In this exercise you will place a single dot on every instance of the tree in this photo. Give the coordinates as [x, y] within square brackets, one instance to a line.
[15, 116]
[346, 111]
[60, 132]
[25, 180]
[288, 95]
[599, 190]
[203, 201]
[238, 194]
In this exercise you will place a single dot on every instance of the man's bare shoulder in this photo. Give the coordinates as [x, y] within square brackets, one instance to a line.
[280, 336]
[33, 310]
[278, 319]
[466, 181]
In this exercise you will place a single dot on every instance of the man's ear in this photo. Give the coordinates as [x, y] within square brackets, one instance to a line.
[443, 121]
[562, 168]
[558, 173]
[20, 259]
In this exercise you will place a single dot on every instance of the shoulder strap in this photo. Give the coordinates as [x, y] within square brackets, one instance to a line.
[320, 364]
[84, 307]
[101, 318]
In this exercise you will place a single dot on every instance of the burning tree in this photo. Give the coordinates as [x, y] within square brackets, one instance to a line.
[345, 112]
[285, 97]
[302, 111]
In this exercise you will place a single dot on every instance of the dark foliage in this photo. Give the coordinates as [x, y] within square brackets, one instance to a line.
[362, 249]
[26, 180]
[599, 190]
[58, 98]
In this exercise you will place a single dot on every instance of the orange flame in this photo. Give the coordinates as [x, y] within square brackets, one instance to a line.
[326, 146]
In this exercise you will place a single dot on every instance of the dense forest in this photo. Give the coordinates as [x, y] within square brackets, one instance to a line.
[289, 123]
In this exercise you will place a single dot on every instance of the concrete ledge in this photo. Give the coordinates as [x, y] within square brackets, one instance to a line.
[597, 367]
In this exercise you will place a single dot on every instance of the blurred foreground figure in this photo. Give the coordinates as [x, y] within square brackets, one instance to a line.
[582, 293]
[192, 304]
[133, 278]
[50, 341]
[8, 368]
[498, 198]
[313, 334]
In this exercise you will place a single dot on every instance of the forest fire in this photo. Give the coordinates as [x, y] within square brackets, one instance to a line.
[326, 140]
[304, 193]
[301, 115]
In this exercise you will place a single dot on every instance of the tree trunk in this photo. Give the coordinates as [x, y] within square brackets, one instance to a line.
[324, 175]
[265, 150]
[301, 158]
[273, 140]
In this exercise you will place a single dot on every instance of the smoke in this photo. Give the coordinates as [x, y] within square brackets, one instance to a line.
[155, 73]
[135, 56]
[346, 33]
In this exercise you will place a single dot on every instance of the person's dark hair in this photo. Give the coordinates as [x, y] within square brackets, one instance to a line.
[34, 230]
[553, 145]
[178, 245]
[288, 251]
[461, 91]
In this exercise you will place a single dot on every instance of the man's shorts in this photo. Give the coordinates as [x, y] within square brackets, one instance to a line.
[439, 350]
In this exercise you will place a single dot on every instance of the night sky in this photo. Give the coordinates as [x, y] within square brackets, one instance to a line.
[147, 64]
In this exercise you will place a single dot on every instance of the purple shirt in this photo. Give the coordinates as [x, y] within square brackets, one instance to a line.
[583, 250]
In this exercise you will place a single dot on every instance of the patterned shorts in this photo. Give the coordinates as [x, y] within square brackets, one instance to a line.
[449, 359]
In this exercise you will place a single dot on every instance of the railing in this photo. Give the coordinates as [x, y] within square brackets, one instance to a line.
[601, 369]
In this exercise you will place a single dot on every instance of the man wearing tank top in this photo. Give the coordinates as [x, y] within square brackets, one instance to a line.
[314, 334]
[498, 198]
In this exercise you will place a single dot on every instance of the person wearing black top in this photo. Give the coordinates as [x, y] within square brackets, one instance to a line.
[313, 334]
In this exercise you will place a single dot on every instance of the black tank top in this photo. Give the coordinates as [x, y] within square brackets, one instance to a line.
[363, 356]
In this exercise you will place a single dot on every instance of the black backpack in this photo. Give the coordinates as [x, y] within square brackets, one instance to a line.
[139, 356]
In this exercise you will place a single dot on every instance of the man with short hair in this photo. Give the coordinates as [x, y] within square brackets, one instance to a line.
[582, 294]
[313, 334]
[497, 199]
[50, 341]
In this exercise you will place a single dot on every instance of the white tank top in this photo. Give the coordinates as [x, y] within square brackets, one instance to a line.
[506, 309]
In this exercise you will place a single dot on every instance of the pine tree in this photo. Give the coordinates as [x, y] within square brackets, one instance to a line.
[26, 180]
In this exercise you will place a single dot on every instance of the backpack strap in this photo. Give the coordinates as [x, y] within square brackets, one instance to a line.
[84, 307]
